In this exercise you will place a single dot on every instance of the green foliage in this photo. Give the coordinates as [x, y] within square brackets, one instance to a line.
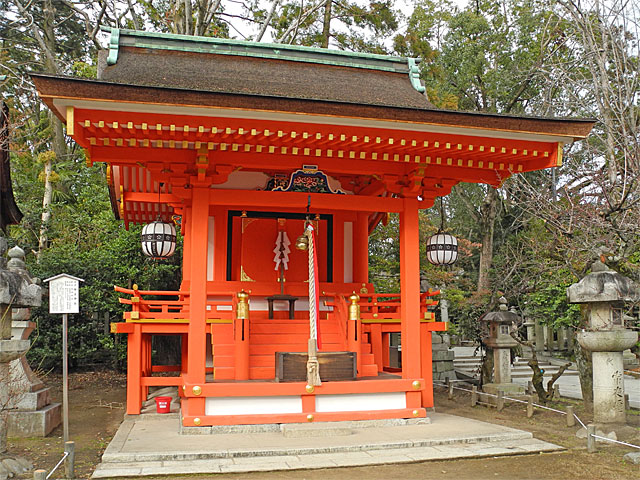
[549, 303]
[384, 256]
[465, 311]
[86, 241]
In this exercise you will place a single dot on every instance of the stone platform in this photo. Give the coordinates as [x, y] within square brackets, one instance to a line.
[152, 445]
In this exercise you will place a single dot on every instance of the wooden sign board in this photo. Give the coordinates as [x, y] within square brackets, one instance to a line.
[64, 294]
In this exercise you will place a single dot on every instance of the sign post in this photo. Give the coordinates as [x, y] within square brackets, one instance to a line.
[64, 298]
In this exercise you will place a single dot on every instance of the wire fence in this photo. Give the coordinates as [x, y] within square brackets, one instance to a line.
[501, 398]
[64, 457]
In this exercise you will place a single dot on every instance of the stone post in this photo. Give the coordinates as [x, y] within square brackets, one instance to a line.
[539, 333]
[604, 291]
[531, 333]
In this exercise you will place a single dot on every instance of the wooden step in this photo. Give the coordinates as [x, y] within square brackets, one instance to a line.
[368, 371]
[224, 373]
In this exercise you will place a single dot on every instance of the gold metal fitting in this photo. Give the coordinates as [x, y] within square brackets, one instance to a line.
[184, 387]
[309, 418]
[135, 286]
[302, 243]
[416, 385]
[310, 388]
[242, 309]
[416, 413]
[197, 421]
[354, 308]
[197, 390]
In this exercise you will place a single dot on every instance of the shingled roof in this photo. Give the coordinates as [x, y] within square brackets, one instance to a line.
[272, 70]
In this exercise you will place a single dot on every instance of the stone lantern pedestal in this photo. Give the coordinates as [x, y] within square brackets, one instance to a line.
[604, 292]
[499, 339]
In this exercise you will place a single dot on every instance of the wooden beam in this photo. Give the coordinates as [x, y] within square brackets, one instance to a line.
[298, 201]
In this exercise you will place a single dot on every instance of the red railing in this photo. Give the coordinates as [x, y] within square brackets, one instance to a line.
[149, 306]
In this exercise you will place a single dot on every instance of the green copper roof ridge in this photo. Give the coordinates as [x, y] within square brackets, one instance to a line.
[414, 75]
[260, 45]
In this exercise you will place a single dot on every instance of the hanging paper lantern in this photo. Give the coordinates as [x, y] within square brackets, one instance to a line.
[442, 249]
[159, 240]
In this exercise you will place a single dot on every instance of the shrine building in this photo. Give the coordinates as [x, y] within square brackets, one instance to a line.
[253, 150]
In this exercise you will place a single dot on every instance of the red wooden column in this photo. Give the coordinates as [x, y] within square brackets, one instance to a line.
[376, 345]
[186, 249]
[196, 340]
[410, 295]
[427, 368]
[361, 249]
[134, 370]
[386, 360]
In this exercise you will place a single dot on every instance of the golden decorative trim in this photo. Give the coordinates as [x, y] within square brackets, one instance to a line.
[246, 222]
[197, 421]
[309, 388]
[70, 121]
[244, 277]
[309, 418]
[559, 162]
[197, 390]
[416, 413]
[416, 385]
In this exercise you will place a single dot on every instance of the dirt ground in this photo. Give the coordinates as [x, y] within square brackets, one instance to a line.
[97, 408]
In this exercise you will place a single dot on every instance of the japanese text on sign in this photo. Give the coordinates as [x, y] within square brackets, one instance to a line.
[64, 296]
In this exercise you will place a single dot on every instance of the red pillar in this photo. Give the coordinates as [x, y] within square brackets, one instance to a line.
[386, 360]
[134, 370]
[361, 249]
[410, 289]
[377, 347]
[197, 332]
[427, 366]
[186, 248]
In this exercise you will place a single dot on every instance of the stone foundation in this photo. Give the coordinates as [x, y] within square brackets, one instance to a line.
[442, 358]
[37, 423]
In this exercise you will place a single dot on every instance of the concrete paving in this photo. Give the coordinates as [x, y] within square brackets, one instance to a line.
[152, 445]
[569, 385]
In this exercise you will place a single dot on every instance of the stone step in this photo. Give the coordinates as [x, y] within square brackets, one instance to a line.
[298, 447]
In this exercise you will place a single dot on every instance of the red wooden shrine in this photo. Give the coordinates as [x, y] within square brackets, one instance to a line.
[236, 139]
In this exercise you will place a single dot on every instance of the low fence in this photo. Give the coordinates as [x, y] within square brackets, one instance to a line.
[531, 405]
[69, 461]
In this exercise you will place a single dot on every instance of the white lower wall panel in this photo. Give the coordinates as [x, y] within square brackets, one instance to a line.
[252, 405]
[354, 402]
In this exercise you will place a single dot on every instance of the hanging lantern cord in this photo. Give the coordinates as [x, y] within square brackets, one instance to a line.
[160, 185]
[441, 215]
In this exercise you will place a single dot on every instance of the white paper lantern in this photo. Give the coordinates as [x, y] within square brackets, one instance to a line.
[159, 240]
[442, 249]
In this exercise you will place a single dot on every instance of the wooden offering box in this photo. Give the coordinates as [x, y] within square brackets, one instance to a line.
[334, 366]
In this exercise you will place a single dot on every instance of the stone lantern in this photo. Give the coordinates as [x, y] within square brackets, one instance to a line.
[604, 293]
[500, 340]
[17, 290]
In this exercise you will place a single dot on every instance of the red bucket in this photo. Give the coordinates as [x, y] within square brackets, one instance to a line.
[163, 404]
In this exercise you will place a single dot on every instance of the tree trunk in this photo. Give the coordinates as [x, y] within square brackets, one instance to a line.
[486, 369]
[59, 143]
[326, 24]
[488, 211]
[585, 371]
